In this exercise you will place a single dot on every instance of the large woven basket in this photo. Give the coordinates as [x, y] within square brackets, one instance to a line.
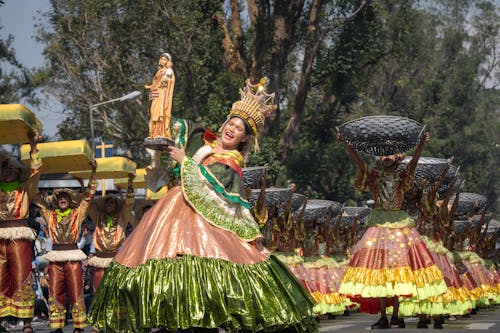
[382, 135]
[298, 201]
[317, 210]
[352, 214]
[469, 203]
[428, 168]
[252, 176]
[275, 197]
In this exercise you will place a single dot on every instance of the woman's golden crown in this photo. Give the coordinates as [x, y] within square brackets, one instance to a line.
[255, 104]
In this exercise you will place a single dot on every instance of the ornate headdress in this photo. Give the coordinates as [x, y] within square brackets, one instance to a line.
[255, 105]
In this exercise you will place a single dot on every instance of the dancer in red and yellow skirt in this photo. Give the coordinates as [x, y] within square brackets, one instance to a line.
[391, 259]
[65, 259]
[18, 187]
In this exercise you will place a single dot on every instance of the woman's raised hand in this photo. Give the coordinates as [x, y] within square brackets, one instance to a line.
[177, 154]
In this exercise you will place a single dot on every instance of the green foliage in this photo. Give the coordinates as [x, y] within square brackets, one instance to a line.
[16, 81]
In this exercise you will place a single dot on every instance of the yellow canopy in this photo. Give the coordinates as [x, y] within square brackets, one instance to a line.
[16, 121]
[109, 168]
[61, 156]
[139, 181]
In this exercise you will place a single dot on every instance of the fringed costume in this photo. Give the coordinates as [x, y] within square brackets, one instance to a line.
[16, 242]
[65, 259]
[109, 231]
[456, 300]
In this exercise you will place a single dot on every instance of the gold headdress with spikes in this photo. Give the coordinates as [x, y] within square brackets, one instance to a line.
[255, 105]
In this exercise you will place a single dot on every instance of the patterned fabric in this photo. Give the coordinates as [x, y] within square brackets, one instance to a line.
[390, 262]
[229, 215]
[66, 280]
[16, 293]
[17, 298]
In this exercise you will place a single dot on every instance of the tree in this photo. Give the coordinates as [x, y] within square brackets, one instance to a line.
[16, 81]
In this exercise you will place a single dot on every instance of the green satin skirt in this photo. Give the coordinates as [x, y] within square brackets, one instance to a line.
[189, 291]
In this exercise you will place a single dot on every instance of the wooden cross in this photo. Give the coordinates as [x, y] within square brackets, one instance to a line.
[103, 147]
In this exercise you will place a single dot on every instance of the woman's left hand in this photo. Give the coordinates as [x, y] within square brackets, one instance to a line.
[176, 154]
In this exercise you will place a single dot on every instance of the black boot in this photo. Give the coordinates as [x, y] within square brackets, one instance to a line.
[397, 322]
[382, 323]
[422, 324]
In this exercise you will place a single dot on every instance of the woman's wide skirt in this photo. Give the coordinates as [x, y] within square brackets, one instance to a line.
[178, 271]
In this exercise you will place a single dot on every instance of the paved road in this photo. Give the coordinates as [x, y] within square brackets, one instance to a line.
[486, 320]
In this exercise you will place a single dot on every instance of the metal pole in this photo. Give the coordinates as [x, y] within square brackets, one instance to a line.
[91, 113]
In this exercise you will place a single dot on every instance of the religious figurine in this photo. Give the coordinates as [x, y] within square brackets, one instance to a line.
[160, 94]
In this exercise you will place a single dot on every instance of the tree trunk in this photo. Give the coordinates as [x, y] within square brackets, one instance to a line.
[313, 41]
[190, 92]
[286, 16]
[257, 12]
[236, 27]
[232, 56]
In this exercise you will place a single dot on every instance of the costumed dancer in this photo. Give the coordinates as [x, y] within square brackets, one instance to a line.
[462, 241]
[286, 232]
[111, 216]
[475, 266]
[202, 238]
[443, 227]
[318, 264]
[494, 275]
[421, 203]
[347, 237]
[391, 259]
[65, 259]
[18, 187]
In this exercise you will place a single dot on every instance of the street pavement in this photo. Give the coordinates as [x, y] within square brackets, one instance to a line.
[486, 320]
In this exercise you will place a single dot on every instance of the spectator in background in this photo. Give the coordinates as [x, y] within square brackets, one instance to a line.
[86, 239]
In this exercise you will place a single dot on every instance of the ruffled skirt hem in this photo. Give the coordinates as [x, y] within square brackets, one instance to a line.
[191, 291]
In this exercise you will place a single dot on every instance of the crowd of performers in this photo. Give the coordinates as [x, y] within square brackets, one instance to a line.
[52, 243]
[215, 253]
